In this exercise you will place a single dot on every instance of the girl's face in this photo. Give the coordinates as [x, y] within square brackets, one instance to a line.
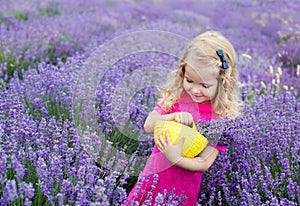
[201, 84]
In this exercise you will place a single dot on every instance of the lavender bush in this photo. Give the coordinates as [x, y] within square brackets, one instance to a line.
[262, 162]
[48, 163]
[47, 156]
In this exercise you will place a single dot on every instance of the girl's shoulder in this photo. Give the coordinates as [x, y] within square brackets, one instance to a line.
[161, 110]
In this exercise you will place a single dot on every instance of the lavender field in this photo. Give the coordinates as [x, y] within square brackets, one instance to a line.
[78, 79]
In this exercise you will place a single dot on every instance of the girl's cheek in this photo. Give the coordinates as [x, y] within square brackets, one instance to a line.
[209, 93]
[187, 87]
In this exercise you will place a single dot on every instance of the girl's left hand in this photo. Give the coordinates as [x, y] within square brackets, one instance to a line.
[172, 152]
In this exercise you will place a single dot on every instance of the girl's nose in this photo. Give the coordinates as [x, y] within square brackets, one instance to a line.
[197, 90]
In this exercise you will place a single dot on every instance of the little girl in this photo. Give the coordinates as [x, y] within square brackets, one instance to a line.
[203, 86]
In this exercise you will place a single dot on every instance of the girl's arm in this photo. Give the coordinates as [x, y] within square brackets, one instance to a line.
[181, 117]
[153, 117]
[201, 163]
[173, 154]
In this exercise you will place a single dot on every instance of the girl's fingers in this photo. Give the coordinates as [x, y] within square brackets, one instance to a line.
[182, 119]
[190, 122]
[157, 140]
[185, 120]
[168, 137]
[161, 142]
[178, 119]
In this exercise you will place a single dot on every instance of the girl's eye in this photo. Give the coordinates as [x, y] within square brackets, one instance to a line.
[205, 86]
[189, 81]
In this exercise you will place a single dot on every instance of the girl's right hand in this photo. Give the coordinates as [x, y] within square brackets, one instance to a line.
[185, 118]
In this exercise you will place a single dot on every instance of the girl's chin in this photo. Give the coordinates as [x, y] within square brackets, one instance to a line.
[200, 100]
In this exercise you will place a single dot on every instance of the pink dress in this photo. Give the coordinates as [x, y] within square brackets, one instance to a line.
[160, 176]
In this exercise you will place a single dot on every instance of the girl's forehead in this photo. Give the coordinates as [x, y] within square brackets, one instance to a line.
[203, 72]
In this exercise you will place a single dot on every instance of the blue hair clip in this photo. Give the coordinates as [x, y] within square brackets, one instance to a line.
[222, 58]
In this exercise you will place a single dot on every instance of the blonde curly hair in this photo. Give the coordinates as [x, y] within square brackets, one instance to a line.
[202, 51]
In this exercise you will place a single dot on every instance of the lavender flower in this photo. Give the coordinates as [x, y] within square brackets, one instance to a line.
[43, 155]
[10, 193]
[216, 131]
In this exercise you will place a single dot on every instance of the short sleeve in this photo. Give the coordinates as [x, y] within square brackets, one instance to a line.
[221, 148]
[159, 109]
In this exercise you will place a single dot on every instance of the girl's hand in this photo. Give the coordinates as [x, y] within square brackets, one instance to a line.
[172, 152]
[183, 118]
